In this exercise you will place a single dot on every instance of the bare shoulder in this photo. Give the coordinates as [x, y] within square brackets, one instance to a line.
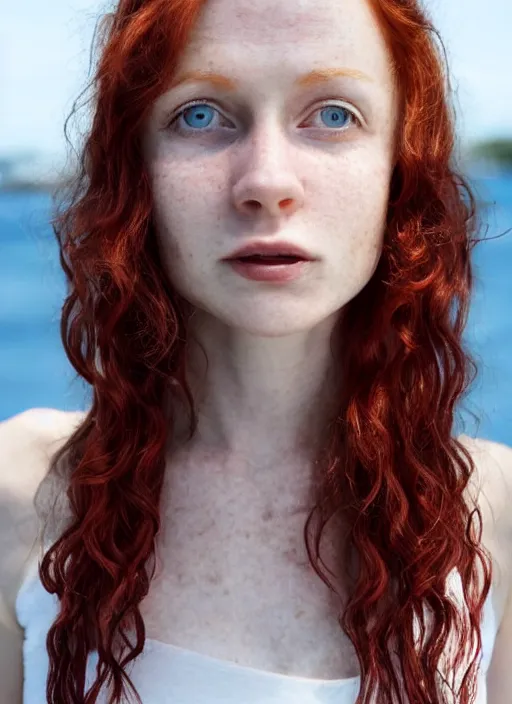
[492, 490]
[493, 478]
[27, 441]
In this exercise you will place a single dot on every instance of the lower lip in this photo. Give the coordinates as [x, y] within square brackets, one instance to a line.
[276, 273]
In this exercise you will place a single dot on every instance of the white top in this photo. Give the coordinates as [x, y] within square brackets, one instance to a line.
[166, 673]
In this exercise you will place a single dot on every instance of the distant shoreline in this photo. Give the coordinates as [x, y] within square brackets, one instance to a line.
[29, 187]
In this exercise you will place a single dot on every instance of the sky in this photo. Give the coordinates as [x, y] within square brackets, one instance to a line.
[45, 52]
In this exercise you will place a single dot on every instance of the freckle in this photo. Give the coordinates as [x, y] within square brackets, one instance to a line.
[213, 578]
[268, 515]
[290, 554]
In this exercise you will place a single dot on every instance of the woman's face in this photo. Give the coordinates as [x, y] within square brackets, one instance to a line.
[264, 157]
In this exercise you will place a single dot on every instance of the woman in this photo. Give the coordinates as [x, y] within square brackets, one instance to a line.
[186, 559]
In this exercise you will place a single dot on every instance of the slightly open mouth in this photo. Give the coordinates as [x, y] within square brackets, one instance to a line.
[280, 259]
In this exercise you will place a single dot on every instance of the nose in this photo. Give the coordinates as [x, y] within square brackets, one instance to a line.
[270, 186]
[252, 198]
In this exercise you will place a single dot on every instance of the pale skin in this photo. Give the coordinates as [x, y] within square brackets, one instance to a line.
[268, 165]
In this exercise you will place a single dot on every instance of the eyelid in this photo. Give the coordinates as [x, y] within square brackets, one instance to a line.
[212, 103]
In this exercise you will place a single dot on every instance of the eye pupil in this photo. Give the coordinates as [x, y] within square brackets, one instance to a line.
[200, 114]
[331, 111]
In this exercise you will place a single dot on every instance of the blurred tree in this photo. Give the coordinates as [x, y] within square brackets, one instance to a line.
[497, 150]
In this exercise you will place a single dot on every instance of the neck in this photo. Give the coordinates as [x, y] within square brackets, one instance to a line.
[259, 400]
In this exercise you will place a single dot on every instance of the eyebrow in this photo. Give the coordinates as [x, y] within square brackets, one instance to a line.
[319, 75]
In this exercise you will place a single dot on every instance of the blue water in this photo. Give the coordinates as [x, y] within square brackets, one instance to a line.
[35, 372]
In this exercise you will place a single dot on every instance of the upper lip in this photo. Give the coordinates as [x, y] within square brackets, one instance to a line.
[271, 249]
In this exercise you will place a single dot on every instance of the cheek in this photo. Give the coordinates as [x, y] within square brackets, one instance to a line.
[352, 210]
[351, 217]
[182, 215]
[183, 194]
[172, 193]
[173, 202]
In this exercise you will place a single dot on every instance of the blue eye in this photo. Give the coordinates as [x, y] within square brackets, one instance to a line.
[198, 117]
[334, 112]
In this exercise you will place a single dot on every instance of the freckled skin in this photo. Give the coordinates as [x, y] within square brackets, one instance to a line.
[270, 177]
[234, 576]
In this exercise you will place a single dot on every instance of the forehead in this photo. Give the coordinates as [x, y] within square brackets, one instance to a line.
[311, 30]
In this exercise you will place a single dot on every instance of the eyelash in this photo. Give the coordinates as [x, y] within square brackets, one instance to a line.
[207, 102]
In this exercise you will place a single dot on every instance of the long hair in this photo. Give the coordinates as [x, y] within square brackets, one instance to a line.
[388, 463]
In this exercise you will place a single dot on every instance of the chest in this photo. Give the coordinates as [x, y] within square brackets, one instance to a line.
[238, 585]
[247, 593]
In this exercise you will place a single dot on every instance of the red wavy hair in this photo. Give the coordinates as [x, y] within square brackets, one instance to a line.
[389, 463]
